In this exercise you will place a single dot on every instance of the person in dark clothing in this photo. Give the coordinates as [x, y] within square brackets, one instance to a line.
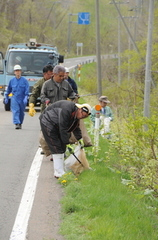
[70, 80]
[57, 122]
[86, 138]
[36, 92]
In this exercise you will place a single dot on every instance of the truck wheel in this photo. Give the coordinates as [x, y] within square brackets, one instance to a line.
[7, 106]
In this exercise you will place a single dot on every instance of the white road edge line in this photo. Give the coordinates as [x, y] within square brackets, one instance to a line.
[21, 221]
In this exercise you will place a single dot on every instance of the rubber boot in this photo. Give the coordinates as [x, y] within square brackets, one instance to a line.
[58, 160]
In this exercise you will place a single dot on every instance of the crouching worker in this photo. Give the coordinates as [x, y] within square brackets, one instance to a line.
[57, 122]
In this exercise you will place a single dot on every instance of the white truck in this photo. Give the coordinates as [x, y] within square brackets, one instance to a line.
[32, 57]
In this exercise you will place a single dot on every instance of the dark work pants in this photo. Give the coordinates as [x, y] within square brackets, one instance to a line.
[53, 139]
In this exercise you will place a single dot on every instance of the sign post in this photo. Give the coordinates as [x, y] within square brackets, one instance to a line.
[83, 19]
[81, 46]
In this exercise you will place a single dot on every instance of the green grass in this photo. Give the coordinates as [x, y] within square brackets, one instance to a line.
[99, 206]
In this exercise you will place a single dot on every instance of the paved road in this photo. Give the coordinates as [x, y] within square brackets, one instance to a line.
[17, 150]
[74, 62]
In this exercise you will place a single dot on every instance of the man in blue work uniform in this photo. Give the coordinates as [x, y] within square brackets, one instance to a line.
[19, 88]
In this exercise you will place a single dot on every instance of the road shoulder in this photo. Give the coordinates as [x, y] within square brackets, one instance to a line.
[45, 215]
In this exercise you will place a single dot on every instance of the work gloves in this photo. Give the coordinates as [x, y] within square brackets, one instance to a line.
[32, 111]
[25, 100]
[81, 143]
[70, 148]
[6, 100]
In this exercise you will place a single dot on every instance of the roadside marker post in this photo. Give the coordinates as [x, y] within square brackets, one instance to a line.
[79, 72]
[96, 130]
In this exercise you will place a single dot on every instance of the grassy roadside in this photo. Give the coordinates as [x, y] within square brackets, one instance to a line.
[98, 206]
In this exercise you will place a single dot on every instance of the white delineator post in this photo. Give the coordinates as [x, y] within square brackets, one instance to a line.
[96, 129]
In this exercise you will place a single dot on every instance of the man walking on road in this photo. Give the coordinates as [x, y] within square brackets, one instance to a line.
[19, 88]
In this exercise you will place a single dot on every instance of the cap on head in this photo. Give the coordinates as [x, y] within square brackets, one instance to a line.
[17, 67]
[85, 107]
[66, 70]
[104, 99]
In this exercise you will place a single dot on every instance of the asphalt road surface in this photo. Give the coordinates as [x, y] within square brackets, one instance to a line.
[17, 151]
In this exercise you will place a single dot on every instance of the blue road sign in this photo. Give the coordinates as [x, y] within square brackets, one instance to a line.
[83, 18]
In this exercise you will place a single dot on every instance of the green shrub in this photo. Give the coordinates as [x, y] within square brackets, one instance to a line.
[136, 142]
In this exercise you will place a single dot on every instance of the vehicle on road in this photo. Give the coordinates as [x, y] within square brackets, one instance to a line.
[32, 57]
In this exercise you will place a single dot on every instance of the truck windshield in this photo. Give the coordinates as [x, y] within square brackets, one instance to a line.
[32, 63]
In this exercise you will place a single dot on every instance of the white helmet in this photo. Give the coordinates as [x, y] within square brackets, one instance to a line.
[66, 70]
[17, 67]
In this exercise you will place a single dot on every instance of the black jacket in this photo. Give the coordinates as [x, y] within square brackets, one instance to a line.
[73, 84]
[62, 115]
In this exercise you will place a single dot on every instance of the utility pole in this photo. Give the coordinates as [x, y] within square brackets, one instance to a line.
[125, 25]
[148, 61]
[119, 36]
[119, 49]
[129, 47]
[129, 42]
[69, 34]
[99, 80]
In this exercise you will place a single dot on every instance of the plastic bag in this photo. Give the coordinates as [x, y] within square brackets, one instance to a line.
[105, 126]
[71, 163]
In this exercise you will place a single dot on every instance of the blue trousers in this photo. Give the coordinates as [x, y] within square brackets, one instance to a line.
[18, 109]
